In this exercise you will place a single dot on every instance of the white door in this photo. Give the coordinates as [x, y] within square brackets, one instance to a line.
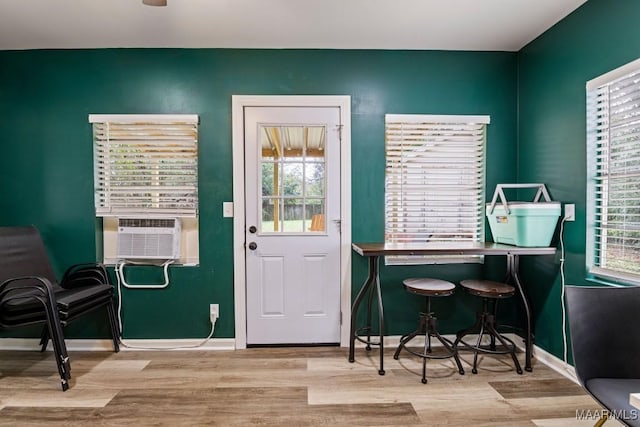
[292, 208]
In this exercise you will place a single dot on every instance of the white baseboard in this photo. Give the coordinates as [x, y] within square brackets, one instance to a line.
[126, 345]
[556, 364]
[179, 344]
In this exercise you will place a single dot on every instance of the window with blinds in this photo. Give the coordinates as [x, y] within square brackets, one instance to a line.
[145, 165]
[434, 181]
[613, 156]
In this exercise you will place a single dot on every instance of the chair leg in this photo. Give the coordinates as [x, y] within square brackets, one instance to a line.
[446, 343]
[473, 329]
[603, 419]
[113, 322]
[406, 338]
[506, 343]
[44, 339]
[57, 338]
[474, 370]
[59, 350]
[424, 368]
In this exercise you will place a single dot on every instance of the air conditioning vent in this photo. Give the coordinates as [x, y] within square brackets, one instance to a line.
[148, 238]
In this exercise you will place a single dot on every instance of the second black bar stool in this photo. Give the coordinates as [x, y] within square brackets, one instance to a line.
[428, 323]
[485, 325]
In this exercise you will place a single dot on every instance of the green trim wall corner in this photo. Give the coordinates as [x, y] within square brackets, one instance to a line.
[535, 98]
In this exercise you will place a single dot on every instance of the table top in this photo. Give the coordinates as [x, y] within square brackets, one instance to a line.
[447, 248]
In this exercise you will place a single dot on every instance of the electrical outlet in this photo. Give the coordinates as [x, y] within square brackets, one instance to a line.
[214, 312]
[569, 212]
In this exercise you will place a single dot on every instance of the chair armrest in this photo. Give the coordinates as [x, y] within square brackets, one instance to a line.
[37, 282]
[37, 287]
[85, 275]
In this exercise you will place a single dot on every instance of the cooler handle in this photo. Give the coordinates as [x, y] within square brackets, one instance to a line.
[499, 193]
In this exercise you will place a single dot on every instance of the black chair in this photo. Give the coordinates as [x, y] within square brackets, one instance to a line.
[30, 294]
[486, 326]
[428, 323]
[603, 323]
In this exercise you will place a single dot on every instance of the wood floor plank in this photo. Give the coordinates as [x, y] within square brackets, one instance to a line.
[553, 406]
[55, 398]
[527, 387]
[572, 422]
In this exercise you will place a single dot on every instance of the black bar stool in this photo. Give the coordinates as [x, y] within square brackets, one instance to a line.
[485, 325]
[428, 323]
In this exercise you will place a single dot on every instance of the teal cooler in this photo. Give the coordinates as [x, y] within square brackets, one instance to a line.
[525, 224]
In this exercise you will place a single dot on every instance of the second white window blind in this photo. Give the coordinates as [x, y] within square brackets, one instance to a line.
[435, 179]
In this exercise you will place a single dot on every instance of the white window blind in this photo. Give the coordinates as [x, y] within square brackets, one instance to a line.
[435, 181]
[145, 165]
[613, 199]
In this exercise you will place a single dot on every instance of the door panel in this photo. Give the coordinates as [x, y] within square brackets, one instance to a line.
[272, 286]
[315, 301]
[292, 197]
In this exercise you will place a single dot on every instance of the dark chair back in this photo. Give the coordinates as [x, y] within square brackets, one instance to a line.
[604, 323]
[22, 253]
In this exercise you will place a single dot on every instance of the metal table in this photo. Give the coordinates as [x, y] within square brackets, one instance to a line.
[371, 286]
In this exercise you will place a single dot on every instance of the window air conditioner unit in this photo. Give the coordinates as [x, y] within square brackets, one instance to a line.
[148, 238]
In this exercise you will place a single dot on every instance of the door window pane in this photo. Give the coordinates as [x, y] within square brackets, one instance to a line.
[293, 179]
[314, 209]
[271, 179]
[314, 179]
[293, 216]
[270, 211]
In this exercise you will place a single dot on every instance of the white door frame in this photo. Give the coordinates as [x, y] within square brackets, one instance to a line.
[239, 102]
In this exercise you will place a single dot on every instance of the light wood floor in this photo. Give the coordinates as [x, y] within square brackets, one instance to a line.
[281, 387]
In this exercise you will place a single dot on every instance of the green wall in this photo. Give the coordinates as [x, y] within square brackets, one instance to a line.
[552, 73]
[536, 99]
[46, 175]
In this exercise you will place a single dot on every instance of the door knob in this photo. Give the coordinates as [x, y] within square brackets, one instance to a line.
[253, 246]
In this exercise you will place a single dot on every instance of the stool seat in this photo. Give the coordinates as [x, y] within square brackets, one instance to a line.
[488, 288]
[429, 287]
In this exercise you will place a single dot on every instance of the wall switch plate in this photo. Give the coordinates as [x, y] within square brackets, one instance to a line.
[227, 209]
[569, 212]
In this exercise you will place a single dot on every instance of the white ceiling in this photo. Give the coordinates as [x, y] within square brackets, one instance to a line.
[484, 25]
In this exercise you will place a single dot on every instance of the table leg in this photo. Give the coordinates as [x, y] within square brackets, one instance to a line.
[371, 279]
[380, 325]
[512, 270]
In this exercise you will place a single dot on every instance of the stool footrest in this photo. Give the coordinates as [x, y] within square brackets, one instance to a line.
[485, 326]
[427, 327]
[449, 351]
[486, 348]
[363, 335]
